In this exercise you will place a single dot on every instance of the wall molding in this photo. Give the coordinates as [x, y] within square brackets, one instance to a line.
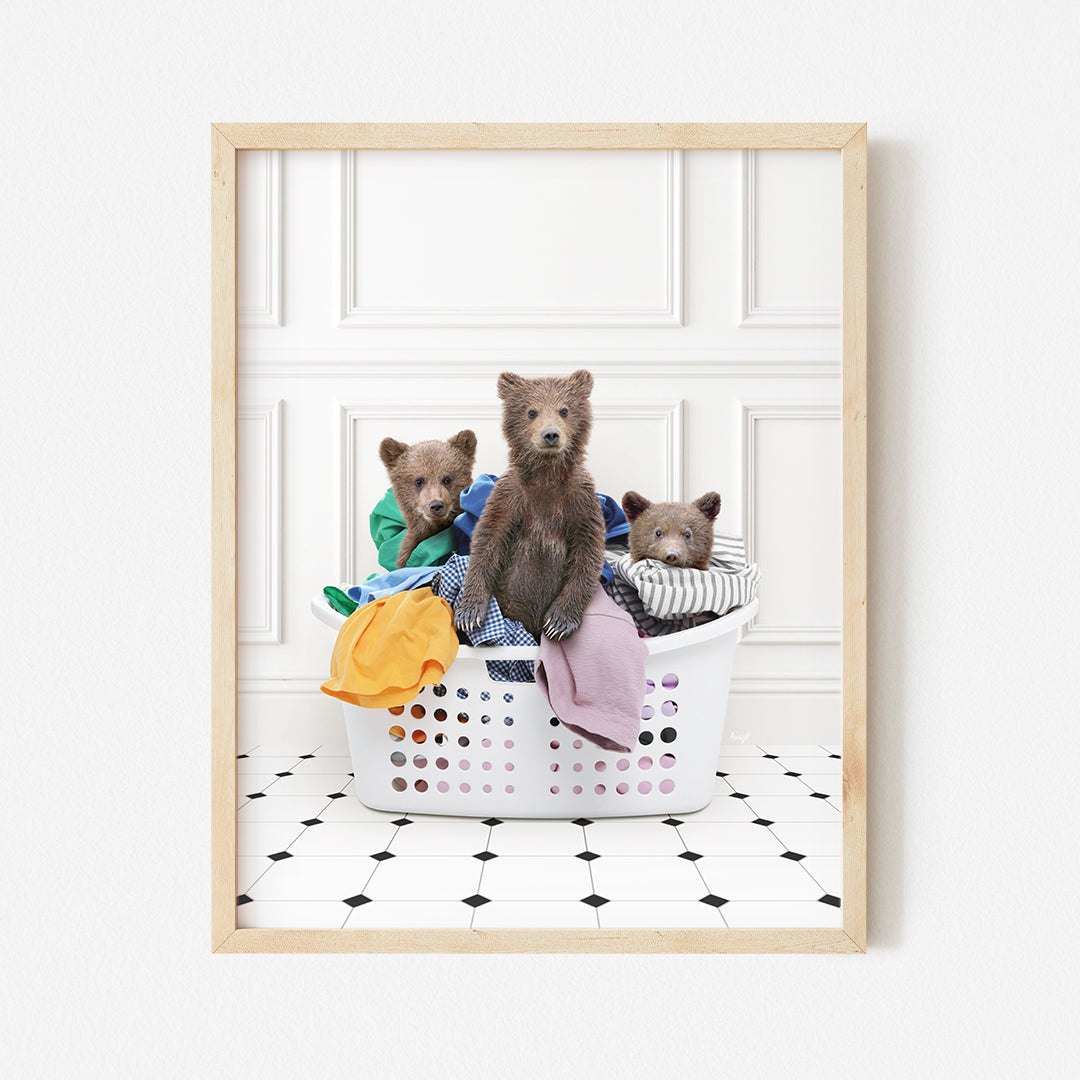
[800, 683]
[671, 413]
[753, 315]
[268, 631]
[750, 413]
[354, 315]
[270, 313]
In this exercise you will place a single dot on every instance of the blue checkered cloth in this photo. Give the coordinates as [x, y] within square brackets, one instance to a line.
[496, 629]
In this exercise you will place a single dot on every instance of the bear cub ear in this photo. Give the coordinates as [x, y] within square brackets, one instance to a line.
[582, 382]
[390, 450]
[634, 505]
[709, 504]
[465, 441]
[508, 383]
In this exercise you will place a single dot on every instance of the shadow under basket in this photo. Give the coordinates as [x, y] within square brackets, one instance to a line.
[476, 747]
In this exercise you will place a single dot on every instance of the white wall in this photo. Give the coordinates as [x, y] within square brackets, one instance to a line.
[105, 540]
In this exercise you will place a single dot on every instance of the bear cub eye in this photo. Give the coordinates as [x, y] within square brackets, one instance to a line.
[448, 480]
[532, 414]
[564, 413]
[686, 535]
[659, 533]
[419, 481]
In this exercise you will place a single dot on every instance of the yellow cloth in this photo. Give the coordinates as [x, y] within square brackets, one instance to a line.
[388, 649]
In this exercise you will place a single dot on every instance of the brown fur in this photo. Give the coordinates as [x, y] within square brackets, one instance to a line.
[538, 547]
[428, 478]
[679, 534]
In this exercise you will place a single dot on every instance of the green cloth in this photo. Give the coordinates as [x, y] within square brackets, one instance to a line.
[388, 530]
[339, 601]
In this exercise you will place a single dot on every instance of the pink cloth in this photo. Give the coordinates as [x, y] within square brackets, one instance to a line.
[595, 679]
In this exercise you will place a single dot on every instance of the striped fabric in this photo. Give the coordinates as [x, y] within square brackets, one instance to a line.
[663, 599]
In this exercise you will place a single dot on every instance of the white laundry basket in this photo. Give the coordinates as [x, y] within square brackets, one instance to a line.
[476, 747]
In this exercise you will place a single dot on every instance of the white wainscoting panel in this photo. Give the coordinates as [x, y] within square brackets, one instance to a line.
[258, 238]
[259, 523]
[791, 239]
[511, 238]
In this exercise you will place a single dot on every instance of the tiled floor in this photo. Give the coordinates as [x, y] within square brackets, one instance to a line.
[765, 852]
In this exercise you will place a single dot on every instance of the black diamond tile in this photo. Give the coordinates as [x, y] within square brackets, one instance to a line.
[476, 900]
[723, 775]
[311, 821]
[492, 821]
[279, 855]
[243, 898]
[793, 774]
[304, 757]
[713, 901]
[794, 856]
[739, 795]
[761, 821]
[283, 774]
[594, 900]
[837, 756]
[483, 856]
[771, 757]
[336, 795]
[257, 795]
[691, 856]
[239, 756]
[588, 856]
[818, 795]
[356, 901]
[381, 856]
[401, 821]
[828, 898]
[581, 821]
[671, 821]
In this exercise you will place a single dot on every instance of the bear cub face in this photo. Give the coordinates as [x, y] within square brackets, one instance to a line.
[679, 534]
[428, 478]
[547, 419]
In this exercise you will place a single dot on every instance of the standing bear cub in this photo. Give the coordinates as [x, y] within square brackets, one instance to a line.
[679, 534]
[538, 547]
[428, 478]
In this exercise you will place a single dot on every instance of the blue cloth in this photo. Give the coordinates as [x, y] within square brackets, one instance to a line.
[376, 587]
[496, 629]
[475, 496]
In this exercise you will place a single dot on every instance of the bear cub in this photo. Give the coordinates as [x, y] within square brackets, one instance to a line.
[679, 534]
[538, 547]
[428, 478]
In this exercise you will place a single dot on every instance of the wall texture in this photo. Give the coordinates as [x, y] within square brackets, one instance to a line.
[104, 316]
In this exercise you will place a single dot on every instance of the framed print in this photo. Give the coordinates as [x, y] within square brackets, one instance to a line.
[456, 370]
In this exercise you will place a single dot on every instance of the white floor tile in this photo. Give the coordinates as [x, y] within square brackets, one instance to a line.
[787, 808]
[344, 838]
[265, 837]
[298, 914]
[441, 838]
[275, 808]
[827, 871]
[722, 808]
[550, 913]
[417, 878]
[352, 809]
[263, 766]
[522, 877]
[639, 838]
[451, 914]
[756, 784]
[281, 750]
[813, 765]
[802, 750]
[649, 878]
[249, 868]
[665, 913]
[757, 877]
[312, 784]
[314, 878]
[733, 749]
[810, 837]
[780, 913]
[537, 838]
[736, 766]
[827, 783]
[729, 838]
[832, 749]
[323, 763]
[250, 784]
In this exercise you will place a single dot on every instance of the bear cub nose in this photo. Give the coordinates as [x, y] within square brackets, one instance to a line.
[551, 436]
[435, 507]
[671, 557]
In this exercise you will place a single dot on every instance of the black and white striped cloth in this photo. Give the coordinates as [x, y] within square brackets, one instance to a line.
[664, 599]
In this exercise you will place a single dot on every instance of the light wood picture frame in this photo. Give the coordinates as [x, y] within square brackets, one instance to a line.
[226, 139]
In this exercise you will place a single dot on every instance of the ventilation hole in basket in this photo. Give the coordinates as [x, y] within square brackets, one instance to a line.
[645, 763]
[622, 789]
[462, 692]
[577, 789]
[669, 734]
[669, 708]
[669, 681]
[509, 744]
[465, 789]
[508, 721]
[396, 710]
[443, 786]
[485, 719]
[420, 785]
[599, 789]
[485, 742]
[650, 686]
[509, 789]
[644, 787]
[440, 715]
[645, 738]
[622, 764]
[487, 789]
[463, 740]
[667, 786]
[578, 744]
[440, 738]
[577, 766]
[463, 717]
[398, 758]
[509, 766]
[485, 695]
[554, 766]
[600, 766]
[420, 761]
[419, 712]
[442, 763]
[397, 733]
[667, 760]
[419, 736]
[554, 744]
[508, 697]
[398, 783]
[647, 712]
[463, 764]
[486, 766]
[554, 789]
[439, 690]
[554, 721]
